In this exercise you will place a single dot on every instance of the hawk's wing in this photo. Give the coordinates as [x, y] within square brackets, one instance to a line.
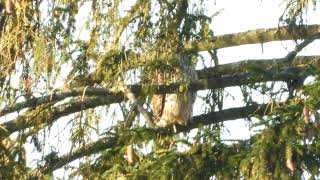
[158, 100]
[157, 106]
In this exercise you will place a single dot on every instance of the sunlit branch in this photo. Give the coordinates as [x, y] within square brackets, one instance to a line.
[252, 37]
[130, 59]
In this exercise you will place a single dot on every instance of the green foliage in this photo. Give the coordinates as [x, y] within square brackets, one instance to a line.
[54, 46]
[295, 12]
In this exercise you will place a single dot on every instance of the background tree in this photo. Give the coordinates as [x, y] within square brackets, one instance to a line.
[83, 102]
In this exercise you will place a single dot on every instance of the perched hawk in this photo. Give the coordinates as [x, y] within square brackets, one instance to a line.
[171, 109]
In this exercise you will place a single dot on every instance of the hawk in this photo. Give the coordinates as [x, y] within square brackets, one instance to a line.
[177, 108]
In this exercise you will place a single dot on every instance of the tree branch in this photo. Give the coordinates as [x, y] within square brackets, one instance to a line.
[252, 37]
[225, 70]
[130, 59]
[290, 56]
[130, 95]
[246, 66]
[49, 115]
[274, 73]
[54, 97]
[114, 140]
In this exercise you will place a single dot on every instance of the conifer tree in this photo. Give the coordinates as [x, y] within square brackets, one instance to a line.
[77, 77]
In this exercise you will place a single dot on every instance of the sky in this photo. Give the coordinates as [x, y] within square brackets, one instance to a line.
[235, 16]
[241, 16]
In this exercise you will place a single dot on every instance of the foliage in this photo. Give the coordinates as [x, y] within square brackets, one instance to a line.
[62, 64]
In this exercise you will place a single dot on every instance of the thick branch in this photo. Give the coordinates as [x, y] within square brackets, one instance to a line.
[112, 141]
[290, 56]
[258, 74]
[257, 64]
[130, 59]
[226, 70]
[54, 97]
[262, 75]
[100, 145]
[252, 37]
[49, 115]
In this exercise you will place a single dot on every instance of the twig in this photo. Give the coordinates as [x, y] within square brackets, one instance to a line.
[131, 116]
[128, 93]
[291, 55]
